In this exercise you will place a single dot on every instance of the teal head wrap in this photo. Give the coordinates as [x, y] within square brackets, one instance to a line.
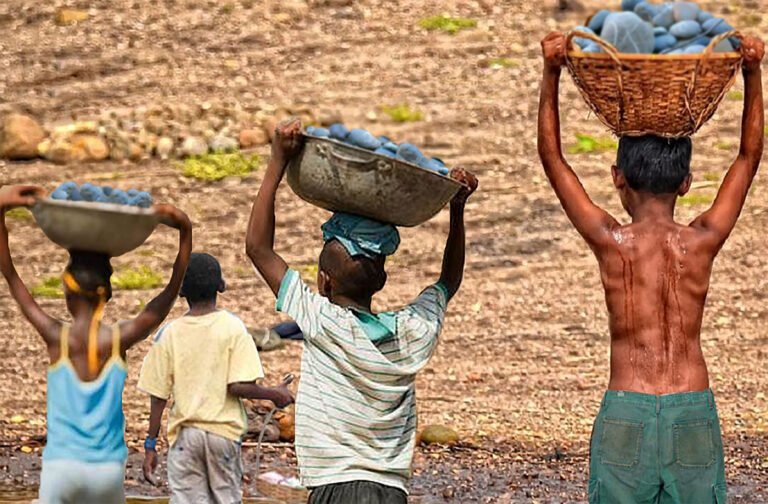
[361, 236]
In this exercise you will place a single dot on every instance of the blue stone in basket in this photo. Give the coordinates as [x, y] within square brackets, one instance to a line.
[580, 41]
[383, 139]
[686, 11]
[75, 195]
[338, 131]
[664, 42]
[716, 26]
[628, 33]
[647, 11]
[593, 48]
[59, 194]
[704, 16]
[409, 152]
[384, 152]
[132, 192]
[390, 146]
[320, 132]
[118, 197]
[142, 200]
[90, 192]
[596, 23]
[665, 17]
[659, 30]
[629, 5]
[106, 190]
[68, 187]
[363, 139]
[702, 40]
[694, 49]
[685, 29]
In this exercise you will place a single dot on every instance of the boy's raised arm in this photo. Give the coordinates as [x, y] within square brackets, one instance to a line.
[722, 216]
[591, 221]
[12, 197]
[157, 310]
[260, 238]
[453, 258]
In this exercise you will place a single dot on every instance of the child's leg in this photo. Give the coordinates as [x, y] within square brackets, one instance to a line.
[225, 470]
[187, 473]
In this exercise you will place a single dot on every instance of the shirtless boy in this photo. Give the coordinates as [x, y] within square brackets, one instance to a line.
[657, 436]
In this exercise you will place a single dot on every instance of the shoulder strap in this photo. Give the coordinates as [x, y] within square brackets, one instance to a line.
[116, 340]
[64, 341]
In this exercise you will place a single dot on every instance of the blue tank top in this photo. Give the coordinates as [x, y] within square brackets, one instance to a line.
[85, 419]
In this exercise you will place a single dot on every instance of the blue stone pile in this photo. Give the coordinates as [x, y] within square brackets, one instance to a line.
[380, 145]
[657, 28]
[70, 191]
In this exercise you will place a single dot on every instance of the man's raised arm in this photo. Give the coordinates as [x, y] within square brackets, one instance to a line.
[260, 238]
[722, 216]
[591, 221]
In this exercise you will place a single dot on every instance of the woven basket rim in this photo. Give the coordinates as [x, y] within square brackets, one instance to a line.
[656, 57]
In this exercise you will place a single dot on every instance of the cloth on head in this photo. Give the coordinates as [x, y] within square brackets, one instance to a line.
[361, 236]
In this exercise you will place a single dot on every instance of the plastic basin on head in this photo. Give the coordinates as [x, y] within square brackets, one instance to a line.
[343, 178]
[95, 227]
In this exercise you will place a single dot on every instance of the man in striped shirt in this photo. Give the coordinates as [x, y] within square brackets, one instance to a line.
[356, 403]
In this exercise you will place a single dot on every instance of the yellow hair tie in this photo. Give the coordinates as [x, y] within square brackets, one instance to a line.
[98, 313]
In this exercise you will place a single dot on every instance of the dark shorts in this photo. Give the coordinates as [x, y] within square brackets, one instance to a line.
[657, 449]
[357, 492]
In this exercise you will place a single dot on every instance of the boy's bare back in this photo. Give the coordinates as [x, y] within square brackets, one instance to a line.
[656, 277]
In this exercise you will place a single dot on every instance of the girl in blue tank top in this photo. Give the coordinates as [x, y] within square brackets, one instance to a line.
[84, 459]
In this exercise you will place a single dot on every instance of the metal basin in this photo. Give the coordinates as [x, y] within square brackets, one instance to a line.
[344, 178]
[95, 227]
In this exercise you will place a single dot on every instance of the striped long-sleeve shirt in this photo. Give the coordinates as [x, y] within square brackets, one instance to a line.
[356, 403]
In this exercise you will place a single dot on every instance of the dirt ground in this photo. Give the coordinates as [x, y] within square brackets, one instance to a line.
[524, 356]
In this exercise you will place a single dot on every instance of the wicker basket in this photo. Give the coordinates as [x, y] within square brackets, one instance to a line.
[665, 95]
[282, 493]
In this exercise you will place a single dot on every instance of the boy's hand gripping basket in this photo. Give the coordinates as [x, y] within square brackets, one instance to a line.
[665, 95]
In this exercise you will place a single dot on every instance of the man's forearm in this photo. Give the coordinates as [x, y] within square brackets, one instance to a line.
[157, 406]
[753, 121]
[549, 143]
[455, 251]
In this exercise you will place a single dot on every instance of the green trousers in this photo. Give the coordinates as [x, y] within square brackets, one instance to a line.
[649, 449]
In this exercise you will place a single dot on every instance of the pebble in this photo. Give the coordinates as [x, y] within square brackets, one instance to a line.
[194, 146]
[164, 148]
[664, 42]
[363, 139]
[685, 29]
[629, 5]
[222, 143]
[686, 11]
[252, 138]
[596, 23]
[438, 434]
[646, 10]
[716, 26]
[20, 136]
[338, 131]
[665, 18]
[65, 17]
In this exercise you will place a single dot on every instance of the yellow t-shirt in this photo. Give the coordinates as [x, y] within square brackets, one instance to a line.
[193, 359]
